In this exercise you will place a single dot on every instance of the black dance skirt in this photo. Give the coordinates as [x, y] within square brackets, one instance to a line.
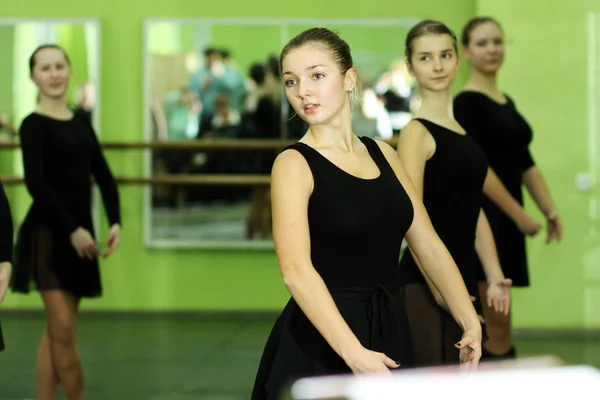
[47, 260]
[433, 329]
[295, 348]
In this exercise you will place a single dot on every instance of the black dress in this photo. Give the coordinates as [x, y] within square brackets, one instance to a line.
[504, 136]
[60, 157]
[6, 237]
[453, 197]
[356, 230]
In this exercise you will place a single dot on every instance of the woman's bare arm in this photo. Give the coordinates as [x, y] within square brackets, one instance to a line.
[433, 256]
[291, 186]
[415, 147]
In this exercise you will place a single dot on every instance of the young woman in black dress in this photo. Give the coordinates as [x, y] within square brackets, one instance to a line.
[341, 207]
[448, 169]
[56, 248]
[6, 248]
[492, 119]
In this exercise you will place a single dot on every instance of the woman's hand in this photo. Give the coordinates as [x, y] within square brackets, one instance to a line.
[113, 239]
[555, 227]
[84, 244]
[498, 295]
[365, 361]
[527, 224]
[470, 349]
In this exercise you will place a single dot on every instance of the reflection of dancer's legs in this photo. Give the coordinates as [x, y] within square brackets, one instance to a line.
[58, 359]
[259, 214]
[205, 122]
[498, 327]
[253, 217]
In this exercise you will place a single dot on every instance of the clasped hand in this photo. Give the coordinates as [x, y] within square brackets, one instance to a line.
[86, 247]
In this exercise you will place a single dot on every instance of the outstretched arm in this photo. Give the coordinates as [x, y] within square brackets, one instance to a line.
[438, 264]
[468, 112]
[498, 295]
[497, 192]
[536, 185]
[110, 195]
[415, 147]
[107, 183]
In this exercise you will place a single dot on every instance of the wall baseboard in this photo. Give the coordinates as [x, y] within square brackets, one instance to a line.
[218, 315]
[557, 334]
[215, 315]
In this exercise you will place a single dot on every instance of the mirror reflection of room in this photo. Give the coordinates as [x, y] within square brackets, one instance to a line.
[207, 82]
[211, 81]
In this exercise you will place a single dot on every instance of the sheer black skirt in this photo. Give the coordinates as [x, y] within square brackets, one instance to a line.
[433, 329]
[47, 260]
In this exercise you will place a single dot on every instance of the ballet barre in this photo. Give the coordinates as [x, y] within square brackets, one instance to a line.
[179, 180]
[198, 144]
[188, 145]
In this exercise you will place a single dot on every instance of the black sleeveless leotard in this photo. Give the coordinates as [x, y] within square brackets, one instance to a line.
[504, 136]
[356, 231]
[453, 197]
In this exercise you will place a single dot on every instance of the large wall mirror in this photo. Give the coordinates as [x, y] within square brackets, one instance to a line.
[216, 81]
[19, 37]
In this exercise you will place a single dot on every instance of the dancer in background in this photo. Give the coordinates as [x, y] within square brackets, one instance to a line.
[448, 169]
[6, 248]
[56, 247]
[341, 207]
[492, 119]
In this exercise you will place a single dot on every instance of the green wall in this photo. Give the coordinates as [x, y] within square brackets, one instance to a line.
[546, 74]
[7, 34]
[374, 48]
[248, 44]
[551, 62]
[139, 278]
[72, 39]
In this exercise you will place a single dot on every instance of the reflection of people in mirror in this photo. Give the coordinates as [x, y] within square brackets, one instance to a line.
[371, 119]
[341, 207]
[448, 169]
[493, 120]
[262, 113]
[212, 81]
[395, 87]
[56, 249]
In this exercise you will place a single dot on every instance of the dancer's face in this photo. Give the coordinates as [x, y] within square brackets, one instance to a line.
[485, 50]
[434, 61]
[314, 85]
[51, 72]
